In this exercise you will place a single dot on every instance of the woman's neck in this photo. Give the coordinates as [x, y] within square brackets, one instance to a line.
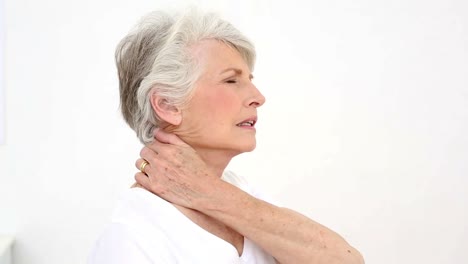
[215, 160]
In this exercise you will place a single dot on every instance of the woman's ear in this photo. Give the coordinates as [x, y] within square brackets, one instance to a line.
[165, 111]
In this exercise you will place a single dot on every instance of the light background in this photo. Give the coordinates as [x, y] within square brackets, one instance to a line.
[364, 130]
[2, 74]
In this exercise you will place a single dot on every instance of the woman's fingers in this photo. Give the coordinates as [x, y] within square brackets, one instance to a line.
[142, 165]
[149, 154]
[174, 171]
[169, 138]
[143, 180]
[156, 146]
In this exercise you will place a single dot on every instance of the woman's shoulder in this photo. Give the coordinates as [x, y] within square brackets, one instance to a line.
[139, 207]
[154, 231]
[138, 231]
[120, 243]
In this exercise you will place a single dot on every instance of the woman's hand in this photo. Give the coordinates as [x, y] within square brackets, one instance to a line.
[175, 172]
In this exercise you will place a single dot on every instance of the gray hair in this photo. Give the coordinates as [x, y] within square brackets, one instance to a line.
[156, 55]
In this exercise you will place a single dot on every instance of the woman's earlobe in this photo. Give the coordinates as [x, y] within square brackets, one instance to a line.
[177, 118]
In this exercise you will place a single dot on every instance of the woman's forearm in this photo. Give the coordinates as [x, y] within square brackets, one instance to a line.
[287, 235]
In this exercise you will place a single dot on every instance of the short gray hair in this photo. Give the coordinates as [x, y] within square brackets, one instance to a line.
[156, 55]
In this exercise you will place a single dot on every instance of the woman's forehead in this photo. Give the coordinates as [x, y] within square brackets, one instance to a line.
[219, 58]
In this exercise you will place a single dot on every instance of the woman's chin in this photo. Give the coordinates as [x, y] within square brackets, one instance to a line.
[250, 147]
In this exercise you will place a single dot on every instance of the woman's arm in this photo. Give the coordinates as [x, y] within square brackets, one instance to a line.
[287, 235]
[178, 175]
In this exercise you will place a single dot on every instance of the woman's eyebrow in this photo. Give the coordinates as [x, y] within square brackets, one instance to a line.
[237, 71]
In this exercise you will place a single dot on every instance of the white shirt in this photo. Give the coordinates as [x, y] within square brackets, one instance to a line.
[147, 229]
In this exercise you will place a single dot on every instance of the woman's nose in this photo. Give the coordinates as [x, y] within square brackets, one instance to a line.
[257, 98]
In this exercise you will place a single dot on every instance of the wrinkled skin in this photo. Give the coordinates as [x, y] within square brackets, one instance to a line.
[175, 172]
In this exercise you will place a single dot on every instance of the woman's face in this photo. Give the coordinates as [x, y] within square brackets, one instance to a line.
[223, 110]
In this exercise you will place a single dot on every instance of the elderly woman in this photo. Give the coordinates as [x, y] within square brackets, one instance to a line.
[186, 90]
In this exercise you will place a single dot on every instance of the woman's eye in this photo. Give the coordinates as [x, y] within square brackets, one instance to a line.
[231, 81]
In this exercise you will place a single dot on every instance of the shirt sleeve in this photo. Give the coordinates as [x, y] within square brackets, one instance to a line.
[117, 245]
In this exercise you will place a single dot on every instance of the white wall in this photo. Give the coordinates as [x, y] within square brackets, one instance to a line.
[364, 130]
[2, 72]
